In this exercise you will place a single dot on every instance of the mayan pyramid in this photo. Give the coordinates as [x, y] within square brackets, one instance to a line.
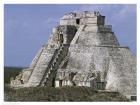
[82, 51]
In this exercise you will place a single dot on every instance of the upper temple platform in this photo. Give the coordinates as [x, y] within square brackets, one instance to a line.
[82, 18]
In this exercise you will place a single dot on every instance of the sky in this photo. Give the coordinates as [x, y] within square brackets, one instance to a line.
[28, 26]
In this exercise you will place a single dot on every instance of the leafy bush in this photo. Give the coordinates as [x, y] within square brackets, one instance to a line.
[11, 72]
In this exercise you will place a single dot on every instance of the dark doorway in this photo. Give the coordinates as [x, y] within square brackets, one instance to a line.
[60, 83]
[53, 82]
[61, 38]
[77, 21]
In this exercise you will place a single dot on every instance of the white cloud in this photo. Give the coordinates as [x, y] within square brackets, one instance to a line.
[114, 12]
[51, 20]
[124, 14]
[95, 7]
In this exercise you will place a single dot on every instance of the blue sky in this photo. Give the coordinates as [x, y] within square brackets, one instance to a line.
[27, 27]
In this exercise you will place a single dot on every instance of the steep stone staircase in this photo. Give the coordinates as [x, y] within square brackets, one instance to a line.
[40, 68]
[64, 61]
[77, 34]
[49, 76]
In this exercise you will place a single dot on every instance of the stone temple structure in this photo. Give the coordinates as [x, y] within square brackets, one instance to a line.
[82, 51]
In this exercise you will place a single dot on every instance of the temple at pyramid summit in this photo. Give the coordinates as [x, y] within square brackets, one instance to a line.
[82, 51]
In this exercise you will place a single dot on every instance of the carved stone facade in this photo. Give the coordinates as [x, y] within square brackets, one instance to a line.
[82, 51]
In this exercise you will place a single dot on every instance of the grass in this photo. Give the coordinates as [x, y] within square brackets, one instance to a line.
[67, 93]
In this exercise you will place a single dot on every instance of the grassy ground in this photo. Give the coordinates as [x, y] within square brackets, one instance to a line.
[54, 94]
[60, 94]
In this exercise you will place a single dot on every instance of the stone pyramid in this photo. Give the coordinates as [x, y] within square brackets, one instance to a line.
[82, 51]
